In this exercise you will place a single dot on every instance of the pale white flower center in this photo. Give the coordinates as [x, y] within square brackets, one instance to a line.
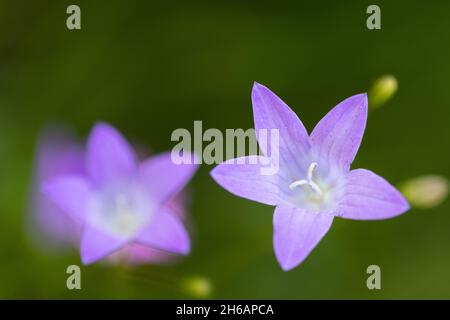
[308, 181]
[319, 191]
[120, 210]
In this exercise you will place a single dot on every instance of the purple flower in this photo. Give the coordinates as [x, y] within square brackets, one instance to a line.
[59, 154]
[120, 202]
[314, 182]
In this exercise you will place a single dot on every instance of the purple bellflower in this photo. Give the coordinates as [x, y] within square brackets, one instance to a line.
[314, 183]
[120, 203]
[58, 153]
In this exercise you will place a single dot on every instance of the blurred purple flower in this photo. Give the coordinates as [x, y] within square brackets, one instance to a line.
[58, 153]
[314, 182]
[121, 204]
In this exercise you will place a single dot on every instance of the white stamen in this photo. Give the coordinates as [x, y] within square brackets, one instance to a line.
[297, 183]
[311, 169]
[315, 187]
[308, 181]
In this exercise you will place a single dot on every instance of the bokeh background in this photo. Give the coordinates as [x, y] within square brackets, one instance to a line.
[149, 67]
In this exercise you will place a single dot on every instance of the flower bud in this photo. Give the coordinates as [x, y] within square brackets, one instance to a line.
[382, 90]
[197, 287]
[425, 192]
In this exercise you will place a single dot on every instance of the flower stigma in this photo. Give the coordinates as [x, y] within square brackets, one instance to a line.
[308, 181]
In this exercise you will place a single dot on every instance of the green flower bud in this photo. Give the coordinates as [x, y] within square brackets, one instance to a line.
[382, 90]
[425, 192]
[198, 287]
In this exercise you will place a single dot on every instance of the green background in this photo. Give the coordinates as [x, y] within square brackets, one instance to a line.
[149, 67]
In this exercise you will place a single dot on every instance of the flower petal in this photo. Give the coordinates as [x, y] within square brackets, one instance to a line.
[109, 155]
[71, 193]
[296, 233]
[96, 245]
[370, 197]
[243, 178]
[167, 233]
[338, 135]
[58, 154]
[270, 112]
[163, 177]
